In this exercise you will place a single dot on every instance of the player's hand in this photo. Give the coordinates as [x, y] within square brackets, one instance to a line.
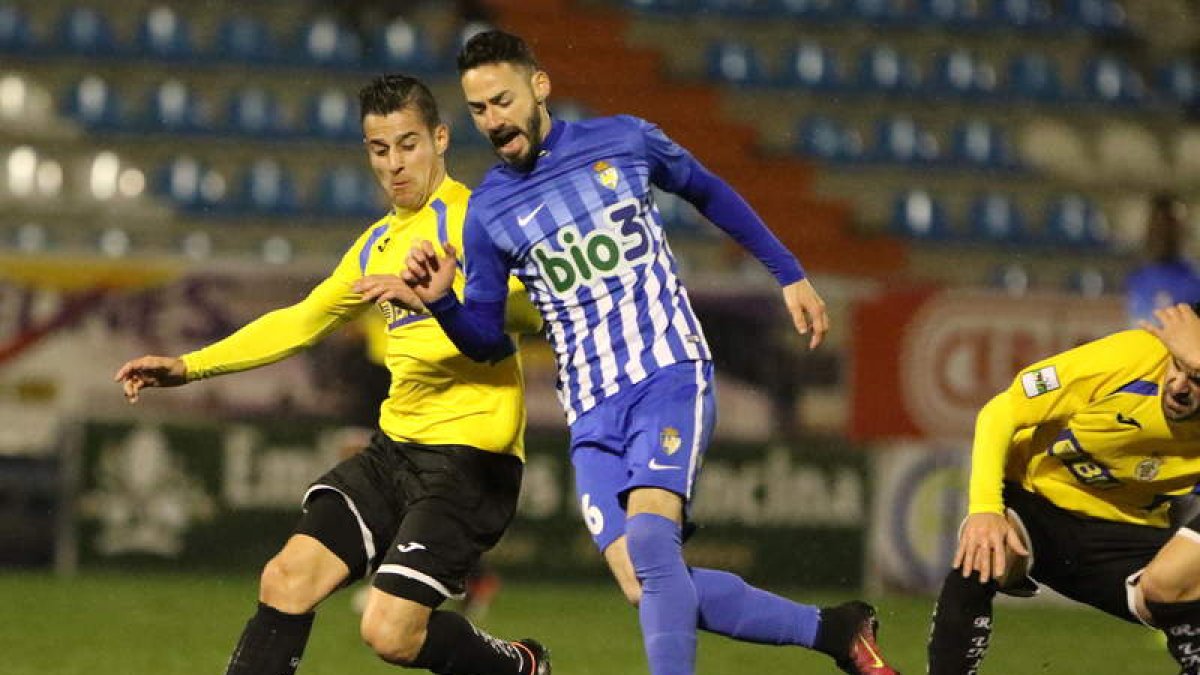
[150, 371]
[982, 545]
[430, 275]
[807, 310]
[388, 288]
[1179, 329]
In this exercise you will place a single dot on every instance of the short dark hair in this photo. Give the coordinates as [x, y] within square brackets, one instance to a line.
[387, 94]
[495, 46]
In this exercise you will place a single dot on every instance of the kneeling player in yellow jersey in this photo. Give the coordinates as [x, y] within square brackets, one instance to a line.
[438, 484]
[1078, 474]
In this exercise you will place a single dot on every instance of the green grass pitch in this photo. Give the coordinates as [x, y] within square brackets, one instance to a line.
[174, 625]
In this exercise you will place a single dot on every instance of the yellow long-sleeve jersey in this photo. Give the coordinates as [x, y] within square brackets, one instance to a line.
[1086, 429]
[437, 395]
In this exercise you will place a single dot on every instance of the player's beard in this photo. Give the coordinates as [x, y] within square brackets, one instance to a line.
[532, 131]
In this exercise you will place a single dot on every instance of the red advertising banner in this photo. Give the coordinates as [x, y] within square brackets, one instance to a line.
[925, 360]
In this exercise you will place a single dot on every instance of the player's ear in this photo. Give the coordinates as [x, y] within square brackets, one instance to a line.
[541, 86]
[441, 139]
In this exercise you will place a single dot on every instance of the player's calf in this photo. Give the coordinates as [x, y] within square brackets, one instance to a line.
[1180, 621]
[847, 633]
[962, 625]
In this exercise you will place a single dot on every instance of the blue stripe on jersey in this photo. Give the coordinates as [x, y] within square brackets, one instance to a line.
[1141, 387]
[405, 320]
[365, 254]
[439, 207]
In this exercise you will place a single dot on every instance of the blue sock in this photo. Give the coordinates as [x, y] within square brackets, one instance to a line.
[730, 606]
[668, 611]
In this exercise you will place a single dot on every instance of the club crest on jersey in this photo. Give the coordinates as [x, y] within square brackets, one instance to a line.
[1040, 381]
[669, 439]
[1147, 469]
[606, 173]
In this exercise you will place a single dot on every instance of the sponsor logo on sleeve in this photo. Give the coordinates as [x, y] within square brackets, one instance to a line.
[1040, 381]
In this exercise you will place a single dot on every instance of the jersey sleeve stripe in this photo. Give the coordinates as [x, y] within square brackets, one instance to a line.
[365, 254]
[1141, 387]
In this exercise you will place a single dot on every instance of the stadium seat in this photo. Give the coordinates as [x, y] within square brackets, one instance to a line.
[1096, 16]
[243, 39]
[1034, 77]
[191, 184]
[164, 34]
[900, 139]
[661, 6]
[1074, 221]
[949, 13]
[1088, 282]
[878, 12]
[325, 42]
[733, 62]
[824, 138]
[568, 111]
[333, 115]
[172, 106]
[1179, 82]
[737, 8]
[348, 191]
[267, 188]
[995, 219]
[809, 10]
[15, 35]
[85, 31]
[883, 69]
[1014, 279]
[918, 215]
[1107, 79]
[1129, 152]
[982, 145]
[961, 73]
[1055, 147]
[808, 65]
[94, 104]
[254, 111]
[1030, 15]
[401, 45]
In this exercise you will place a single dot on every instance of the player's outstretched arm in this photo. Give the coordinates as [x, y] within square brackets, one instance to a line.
[388, 288]
[1179, 329]
[150, 371]
[431, 276]
[807, 310]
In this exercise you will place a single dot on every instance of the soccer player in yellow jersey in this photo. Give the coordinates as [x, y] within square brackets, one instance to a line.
[438, 483]
[1079, 471]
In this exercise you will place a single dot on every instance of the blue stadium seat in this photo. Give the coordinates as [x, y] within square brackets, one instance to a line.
[949, 13]
[334, 116]
[244, 39]
[1088, 282]
[401, 45]
[660, 6]
[737, 8]
[94, 104]
[1096, 16]
[1035, 77]
[267, 188]
[348, 191]
[568, 111]
[85, 31]
[15, 35]
[173, 107]
[254, 111]
[191, 184]
[1179, 82]
[918, 215]
[1013, 278]
[1031, 15]
[979, 144]
[1108, 79]
[809, 10]
[808, 65]
[995, 219]
[325, 42]
[1074, 221]
[734, 63]
[824, 138]
[883, 69]
[900, 139]
[164, 34]
[962, 74]
[877, 12]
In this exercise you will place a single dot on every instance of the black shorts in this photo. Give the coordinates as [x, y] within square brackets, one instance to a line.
[1085, 559]
[425, 513]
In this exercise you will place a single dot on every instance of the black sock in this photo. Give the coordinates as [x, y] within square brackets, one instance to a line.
[962, 625]
[1181, 623]
[271, 644]
[454, 647]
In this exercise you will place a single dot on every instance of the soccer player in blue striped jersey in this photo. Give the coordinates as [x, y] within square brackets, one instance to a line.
[569, 211]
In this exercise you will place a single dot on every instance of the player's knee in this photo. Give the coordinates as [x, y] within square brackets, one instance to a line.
[287, 586]
[968, 590]
[1158, 588]
[398, 646]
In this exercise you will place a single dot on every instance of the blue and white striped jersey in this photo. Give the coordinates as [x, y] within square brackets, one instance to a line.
[581, 230]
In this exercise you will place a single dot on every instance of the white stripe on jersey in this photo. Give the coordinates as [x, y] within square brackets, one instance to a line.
[608, 361]
[697, 428]
[579, 358]
[631, 331]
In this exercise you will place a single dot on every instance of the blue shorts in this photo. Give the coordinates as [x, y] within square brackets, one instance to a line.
[653, 434]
